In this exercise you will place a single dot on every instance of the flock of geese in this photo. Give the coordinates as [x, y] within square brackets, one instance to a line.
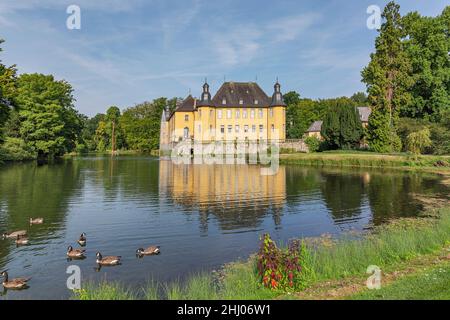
[21, 238]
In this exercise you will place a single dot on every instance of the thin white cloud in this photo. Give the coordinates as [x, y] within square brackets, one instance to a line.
[291, 27]
[235, 45]
[176, 21]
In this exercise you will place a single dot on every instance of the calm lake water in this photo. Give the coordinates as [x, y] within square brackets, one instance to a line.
[202, 216]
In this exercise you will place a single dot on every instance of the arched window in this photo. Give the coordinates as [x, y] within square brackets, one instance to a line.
[186, 133]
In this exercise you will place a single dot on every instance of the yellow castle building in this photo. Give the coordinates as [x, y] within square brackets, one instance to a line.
[238, 111]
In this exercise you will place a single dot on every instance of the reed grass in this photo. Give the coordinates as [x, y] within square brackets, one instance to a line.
[365, 159]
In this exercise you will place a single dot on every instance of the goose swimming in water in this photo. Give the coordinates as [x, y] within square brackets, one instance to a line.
[107, 261]
[14, 234]
[18, 283]
[149, 251]
[75, 253]
[82, 239]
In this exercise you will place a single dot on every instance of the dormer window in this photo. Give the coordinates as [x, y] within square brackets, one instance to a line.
[255, 101]
[241, 101]
[224, 101]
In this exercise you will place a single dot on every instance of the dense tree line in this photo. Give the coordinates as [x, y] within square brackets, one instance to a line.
[302, 112]
[408, 86]
[136, 128]
[407, 79]
[38, 120]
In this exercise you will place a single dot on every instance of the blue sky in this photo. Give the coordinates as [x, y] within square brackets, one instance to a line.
[132, 51]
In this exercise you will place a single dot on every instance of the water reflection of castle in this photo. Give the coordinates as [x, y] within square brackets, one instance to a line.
[236, 195]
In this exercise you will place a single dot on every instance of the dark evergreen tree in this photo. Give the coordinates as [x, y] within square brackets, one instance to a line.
[388, 80]
[342, 127]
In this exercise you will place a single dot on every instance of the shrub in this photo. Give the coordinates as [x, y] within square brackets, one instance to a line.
[418, 141]
[280, 268]
[15, 149]
[81, 148]
[313, 144]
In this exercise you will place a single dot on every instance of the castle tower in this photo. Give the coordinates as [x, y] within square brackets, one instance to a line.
[205, 116]
[277, 115]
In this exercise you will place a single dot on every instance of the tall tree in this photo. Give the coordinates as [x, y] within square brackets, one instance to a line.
[388, 79]
[292, 100]
[360, 98]
[90, 126]
[141, 124]
[427, 44]
[48, 121]
[112, 118]
[8, 90]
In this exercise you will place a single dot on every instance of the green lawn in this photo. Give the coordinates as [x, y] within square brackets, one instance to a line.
[430, 284]
[368, 159]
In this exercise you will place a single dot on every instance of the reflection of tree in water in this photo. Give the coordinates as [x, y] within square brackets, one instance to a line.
[236, 196]
[394, 195]
[343, 195]
[128, 177]
[28, 190]
[301, 181]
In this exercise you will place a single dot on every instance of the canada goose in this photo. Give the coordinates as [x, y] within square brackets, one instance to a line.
[36, 221]
[149, 251]
[107, 261]
[14, 234]
[21, 240]
[75, 253]
[18, 283]
[82, 239]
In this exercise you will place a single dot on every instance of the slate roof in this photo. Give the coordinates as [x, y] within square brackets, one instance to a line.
[364, 113]
[187, 105]
[232, 92]
[315, 127]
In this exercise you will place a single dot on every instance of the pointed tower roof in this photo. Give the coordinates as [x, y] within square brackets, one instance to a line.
[205, 99]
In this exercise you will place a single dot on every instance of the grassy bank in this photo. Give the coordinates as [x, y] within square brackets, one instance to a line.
[390, 247]
[368, 159]
[432, 283]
